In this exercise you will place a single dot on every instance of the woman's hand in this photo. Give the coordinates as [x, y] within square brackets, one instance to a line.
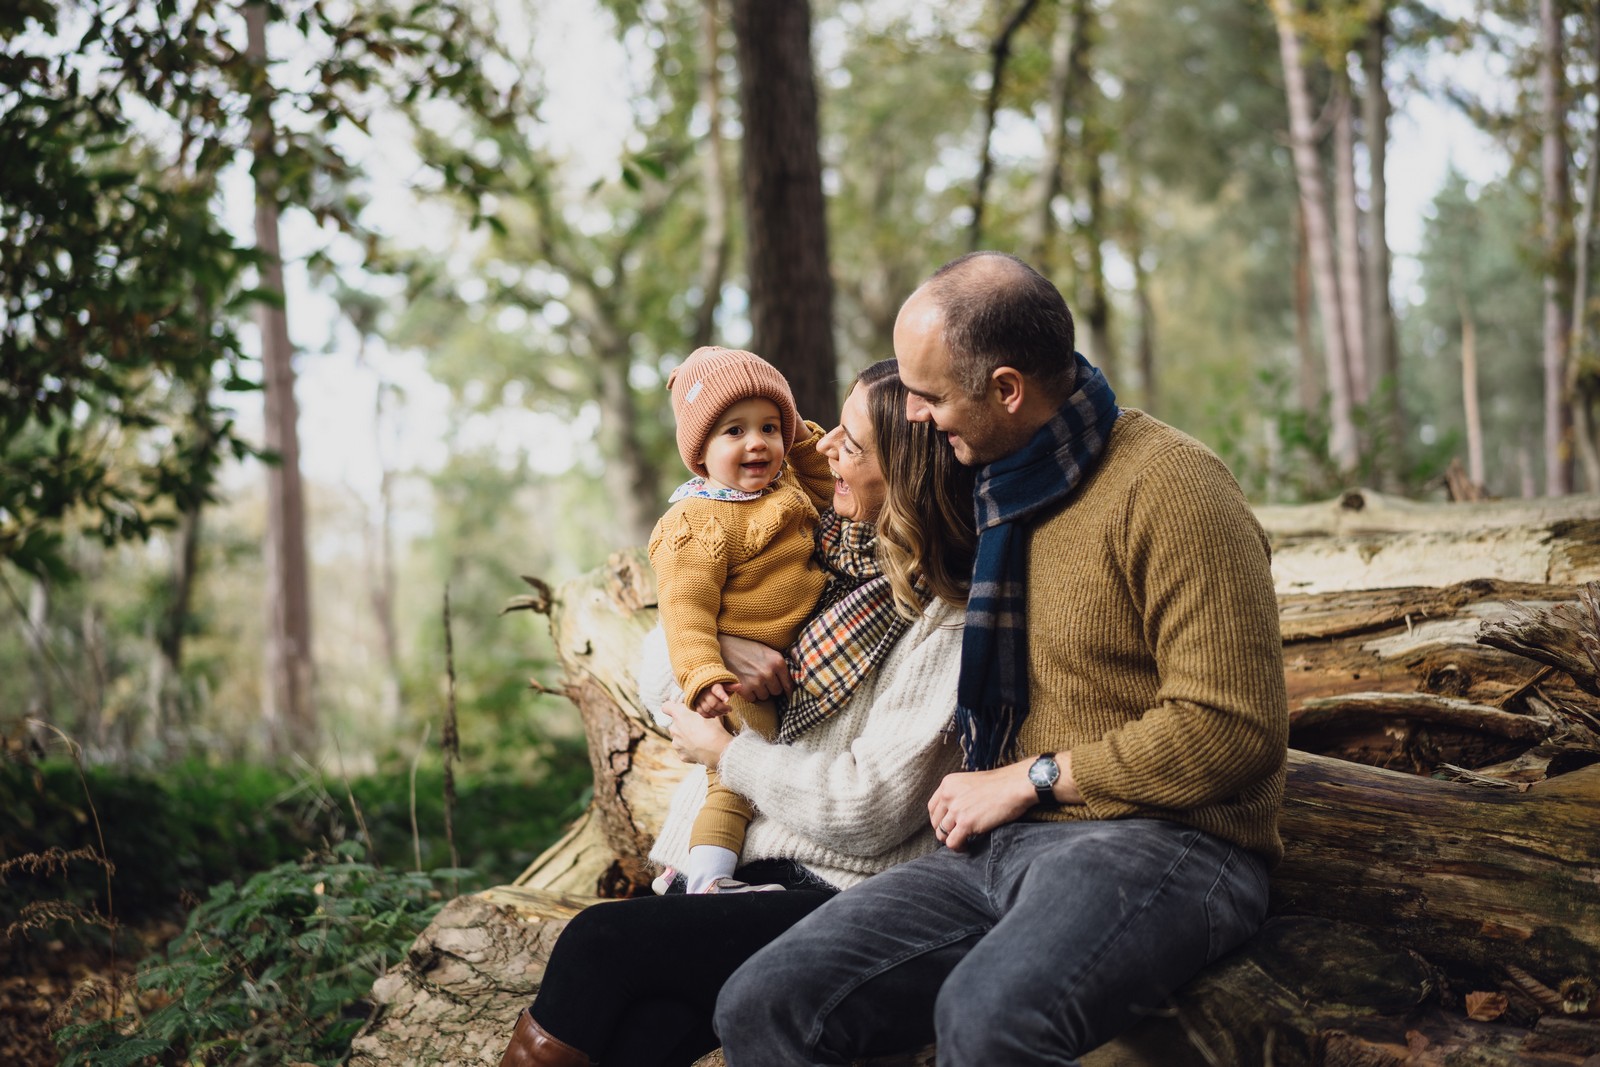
[694, 739]
[761, 671]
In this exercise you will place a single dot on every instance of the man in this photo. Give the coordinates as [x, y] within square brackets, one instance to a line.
[1121, 710]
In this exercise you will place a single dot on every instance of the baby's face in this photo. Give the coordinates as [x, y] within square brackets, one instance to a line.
[745, 449]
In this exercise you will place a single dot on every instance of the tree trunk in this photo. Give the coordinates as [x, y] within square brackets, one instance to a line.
[1398, 894]
[290, 707]
[1343, 446]
[1557, 253]
[999, 53]
[1309, 377]
[1347, 221]
[383, 584]
[1065, 46]
[35, 624]
[1469, 394]
[714, 241]
[791, 291]
[1383, 350]
[1145, 337]
[1581, 387]
[1098, 311]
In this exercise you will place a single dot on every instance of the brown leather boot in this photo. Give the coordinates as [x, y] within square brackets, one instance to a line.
[532, 1046]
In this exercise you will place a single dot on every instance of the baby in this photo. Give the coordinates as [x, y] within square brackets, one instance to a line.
[733, 555]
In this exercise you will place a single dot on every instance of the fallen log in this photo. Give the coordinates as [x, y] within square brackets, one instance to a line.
[1364, 539]
[1399, 894]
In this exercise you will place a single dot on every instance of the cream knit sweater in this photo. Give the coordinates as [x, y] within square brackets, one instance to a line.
[848, 798]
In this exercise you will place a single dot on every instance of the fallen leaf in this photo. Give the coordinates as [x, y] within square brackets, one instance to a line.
[1486, 1007]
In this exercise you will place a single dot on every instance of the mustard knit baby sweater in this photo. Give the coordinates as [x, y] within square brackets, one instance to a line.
[1154, 652]
[849, 797]
[740, 567]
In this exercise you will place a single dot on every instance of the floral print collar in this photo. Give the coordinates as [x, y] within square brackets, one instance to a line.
[697, 487]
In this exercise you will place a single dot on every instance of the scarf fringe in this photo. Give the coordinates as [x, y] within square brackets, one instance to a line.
[987, 737]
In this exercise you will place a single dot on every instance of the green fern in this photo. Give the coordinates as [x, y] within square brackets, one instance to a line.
[273, 971]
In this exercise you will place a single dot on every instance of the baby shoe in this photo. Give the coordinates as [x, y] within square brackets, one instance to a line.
[733, 885]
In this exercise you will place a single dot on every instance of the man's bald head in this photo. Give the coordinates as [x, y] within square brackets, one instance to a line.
[996, 311]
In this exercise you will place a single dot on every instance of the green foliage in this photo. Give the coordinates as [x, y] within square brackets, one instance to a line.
[116, 288]
[273, 971]
[173, 835]
[120, 289]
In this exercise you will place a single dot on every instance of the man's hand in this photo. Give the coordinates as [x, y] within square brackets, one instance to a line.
[761, 671]
[696, 739]
[968, 803]
[712, 703]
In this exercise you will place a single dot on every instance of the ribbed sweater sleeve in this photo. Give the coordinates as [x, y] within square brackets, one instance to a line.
[859, 783]
[811, 468]
[1196, 565]
[690, 552]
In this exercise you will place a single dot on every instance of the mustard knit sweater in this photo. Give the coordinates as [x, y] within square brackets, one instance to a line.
[740, 567]
[1153, 644]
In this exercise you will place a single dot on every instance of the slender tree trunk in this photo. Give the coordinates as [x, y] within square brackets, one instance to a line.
[1343, 445]
[791, 290]
[1383, 350]
[175, 618]
[1580, 388]
[1469, 395]
[1347, 222]
[1309, 376]
[714, 242]
[1099, 310]
[290, 709]
[1064, 60]
[630, 476]
[384, 584]
[1557, 254]
[36, 619]
[999, 53]
[1145, 342]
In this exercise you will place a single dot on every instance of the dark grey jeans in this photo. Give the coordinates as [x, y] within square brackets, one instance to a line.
[1038, 944]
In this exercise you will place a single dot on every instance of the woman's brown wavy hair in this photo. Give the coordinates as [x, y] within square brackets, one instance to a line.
[926, 528]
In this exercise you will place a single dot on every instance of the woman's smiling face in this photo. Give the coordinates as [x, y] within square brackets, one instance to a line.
[858, 488]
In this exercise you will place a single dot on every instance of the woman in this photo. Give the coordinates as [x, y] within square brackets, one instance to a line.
[635, 982]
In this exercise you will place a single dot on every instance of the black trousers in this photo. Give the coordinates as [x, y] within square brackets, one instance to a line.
[635, 982]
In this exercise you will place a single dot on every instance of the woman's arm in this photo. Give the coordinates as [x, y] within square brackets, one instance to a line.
[860, 782]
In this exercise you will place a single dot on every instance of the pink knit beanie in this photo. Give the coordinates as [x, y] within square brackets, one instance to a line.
[711, 381]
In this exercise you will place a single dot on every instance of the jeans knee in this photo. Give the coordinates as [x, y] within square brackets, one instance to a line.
[981, 1019]
[750, 1006]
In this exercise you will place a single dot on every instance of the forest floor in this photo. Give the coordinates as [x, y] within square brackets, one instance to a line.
[48, 982]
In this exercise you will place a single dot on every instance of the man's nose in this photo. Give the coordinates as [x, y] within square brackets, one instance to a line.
[916, 408]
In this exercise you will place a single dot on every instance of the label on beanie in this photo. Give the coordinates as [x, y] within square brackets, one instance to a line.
[694, 391]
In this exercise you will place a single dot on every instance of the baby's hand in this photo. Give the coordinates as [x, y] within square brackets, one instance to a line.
[714, 702]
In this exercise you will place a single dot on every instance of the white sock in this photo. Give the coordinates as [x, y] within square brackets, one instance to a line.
[707, 863]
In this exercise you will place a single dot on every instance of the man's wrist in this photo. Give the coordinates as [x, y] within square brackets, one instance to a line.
[1066, 788]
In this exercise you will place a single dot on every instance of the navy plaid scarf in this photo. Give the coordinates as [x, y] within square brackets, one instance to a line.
[853, 629]
[992, 696]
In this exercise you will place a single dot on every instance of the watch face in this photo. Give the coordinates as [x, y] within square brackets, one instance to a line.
[1044, 772]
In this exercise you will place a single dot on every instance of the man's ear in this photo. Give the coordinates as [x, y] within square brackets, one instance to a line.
[1010, 386]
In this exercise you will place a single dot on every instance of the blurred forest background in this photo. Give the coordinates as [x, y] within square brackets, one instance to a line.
[315, 309]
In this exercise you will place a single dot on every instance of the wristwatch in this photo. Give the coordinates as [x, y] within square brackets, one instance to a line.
[1043, 773]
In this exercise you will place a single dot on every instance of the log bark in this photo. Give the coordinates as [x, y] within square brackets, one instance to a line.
[1399, 894]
